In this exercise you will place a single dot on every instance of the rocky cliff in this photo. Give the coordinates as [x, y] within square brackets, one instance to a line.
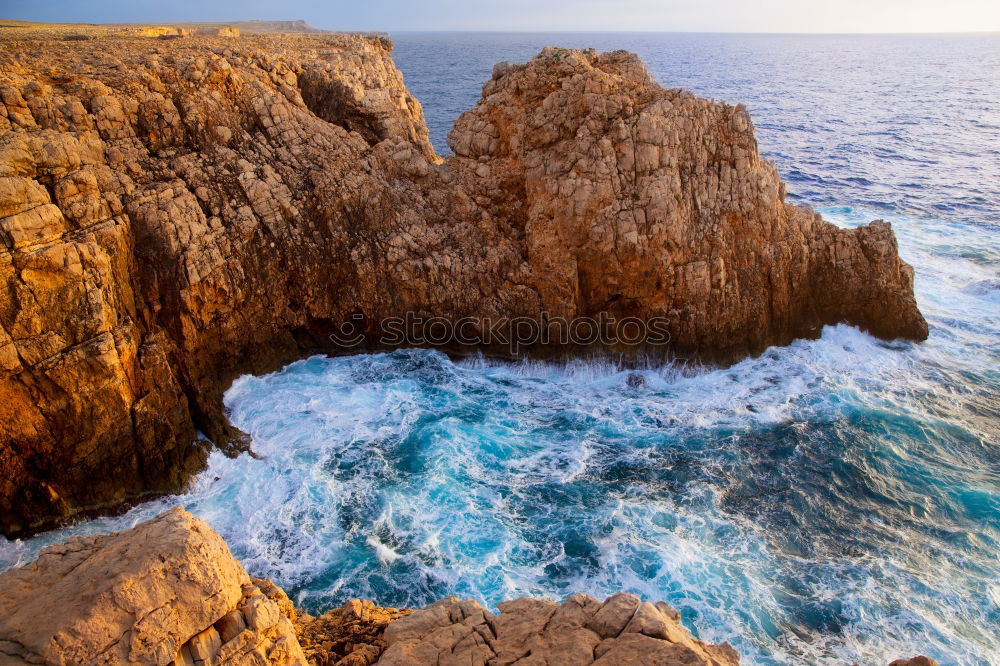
[174, 214]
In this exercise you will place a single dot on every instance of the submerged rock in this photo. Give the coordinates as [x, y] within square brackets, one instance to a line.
[173, 215]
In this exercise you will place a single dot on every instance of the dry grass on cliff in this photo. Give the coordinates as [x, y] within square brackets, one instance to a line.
[27, 30]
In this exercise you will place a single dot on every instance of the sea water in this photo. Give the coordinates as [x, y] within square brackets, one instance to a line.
[834, 501]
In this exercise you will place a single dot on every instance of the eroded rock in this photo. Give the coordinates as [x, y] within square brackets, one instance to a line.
[165, 591]
[642, 201]
[580, 631]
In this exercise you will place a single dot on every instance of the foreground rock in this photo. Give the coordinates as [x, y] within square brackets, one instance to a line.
[169, 591]
[165, 591]
[623, 631]
[174, 214]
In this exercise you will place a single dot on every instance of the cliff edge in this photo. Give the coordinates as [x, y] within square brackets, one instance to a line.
[176, 213]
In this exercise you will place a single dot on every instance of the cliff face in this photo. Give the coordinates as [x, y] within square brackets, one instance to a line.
[175, 214]
[638, 200]
[169, 219]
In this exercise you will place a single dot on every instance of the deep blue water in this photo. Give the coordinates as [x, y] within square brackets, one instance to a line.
[832, 502]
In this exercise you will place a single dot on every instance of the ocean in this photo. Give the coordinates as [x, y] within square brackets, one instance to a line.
[834, 501]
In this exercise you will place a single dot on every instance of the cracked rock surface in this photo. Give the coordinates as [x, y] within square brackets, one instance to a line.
[176, 214]
[166, 591]
[531, 632]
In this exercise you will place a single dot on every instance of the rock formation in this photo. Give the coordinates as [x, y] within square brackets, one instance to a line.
[582, 630]
[160, 31]
[640, 201]
[175, 214]
[167, 591]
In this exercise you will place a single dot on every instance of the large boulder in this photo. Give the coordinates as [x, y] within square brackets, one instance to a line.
[166, 591]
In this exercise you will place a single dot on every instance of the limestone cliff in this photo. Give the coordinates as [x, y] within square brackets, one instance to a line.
[638, 200]
[174, 214]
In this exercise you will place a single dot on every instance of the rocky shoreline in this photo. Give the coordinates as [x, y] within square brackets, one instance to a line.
[168, 591]
[174, 214]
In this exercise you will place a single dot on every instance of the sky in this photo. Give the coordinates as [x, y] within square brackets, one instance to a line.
[541, 15]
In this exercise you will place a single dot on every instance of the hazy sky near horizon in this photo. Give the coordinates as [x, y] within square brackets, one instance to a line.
[542, 15]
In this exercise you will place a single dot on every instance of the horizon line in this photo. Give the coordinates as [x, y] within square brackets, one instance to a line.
[685, 32]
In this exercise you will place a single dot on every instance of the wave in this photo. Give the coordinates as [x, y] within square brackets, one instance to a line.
[802, 505]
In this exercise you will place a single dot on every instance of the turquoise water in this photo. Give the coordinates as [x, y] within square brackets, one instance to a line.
[835, 501]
